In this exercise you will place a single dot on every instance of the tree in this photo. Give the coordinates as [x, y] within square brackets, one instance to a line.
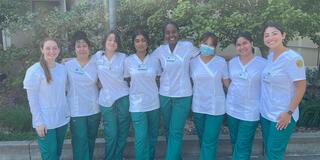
[11, 10]
[313, 32]
[300, 18]
[227, 18]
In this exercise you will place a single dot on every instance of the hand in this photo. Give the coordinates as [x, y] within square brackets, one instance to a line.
[283, 121]
[41, 130]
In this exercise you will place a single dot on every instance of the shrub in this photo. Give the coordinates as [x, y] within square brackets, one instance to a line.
[313, 84]
[17, 136]
[16, 118]
[310, 105]
[310, 114]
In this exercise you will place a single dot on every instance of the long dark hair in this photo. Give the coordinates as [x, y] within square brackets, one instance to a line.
[273, 24]
[117, 38]
[43, 62]
[245, 35]
[142, 33]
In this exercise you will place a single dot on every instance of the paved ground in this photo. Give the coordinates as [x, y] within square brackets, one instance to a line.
[309, 157]
[302, 146]
[304, 157]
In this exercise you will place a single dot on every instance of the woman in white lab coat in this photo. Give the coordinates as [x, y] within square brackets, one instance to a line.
[142, 69]
[243, 99]
[175, 86]
[83, 98]
[113, 96]
[283, 86]
[209, 74]
[45, 82]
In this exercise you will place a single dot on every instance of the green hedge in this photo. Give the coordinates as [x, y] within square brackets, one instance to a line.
[15, 119]
[310, 114]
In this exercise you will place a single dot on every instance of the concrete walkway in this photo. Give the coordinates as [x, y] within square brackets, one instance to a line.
[304, 146]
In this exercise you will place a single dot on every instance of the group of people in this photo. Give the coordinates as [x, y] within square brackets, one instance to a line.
[116, 87]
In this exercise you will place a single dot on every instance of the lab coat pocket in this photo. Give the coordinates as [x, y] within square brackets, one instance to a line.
[136, 99]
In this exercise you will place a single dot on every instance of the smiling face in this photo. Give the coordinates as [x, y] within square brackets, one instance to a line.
[140, 44]
[273, 38]
[81, 49]
[243, 46]
[171, 34]
[50, 50]
[111, 43]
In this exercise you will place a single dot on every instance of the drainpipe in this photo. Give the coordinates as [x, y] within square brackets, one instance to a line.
[318, 63]
[112, 14]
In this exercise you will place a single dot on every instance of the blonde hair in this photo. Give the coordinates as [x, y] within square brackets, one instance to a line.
[43, 62]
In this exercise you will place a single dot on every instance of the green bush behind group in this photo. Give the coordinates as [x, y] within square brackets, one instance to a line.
[225, 18]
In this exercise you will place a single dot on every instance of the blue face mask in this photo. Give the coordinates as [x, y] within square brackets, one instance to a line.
[206, 50]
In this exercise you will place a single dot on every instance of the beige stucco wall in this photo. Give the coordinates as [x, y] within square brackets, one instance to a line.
[307, 49]
[304, 46]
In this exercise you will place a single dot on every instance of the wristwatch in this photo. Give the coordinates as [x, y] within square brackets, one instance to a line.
[290, 112]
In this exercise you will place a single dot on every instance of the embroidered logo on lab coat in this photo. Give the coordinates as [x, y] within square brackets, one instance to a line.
[299, 63]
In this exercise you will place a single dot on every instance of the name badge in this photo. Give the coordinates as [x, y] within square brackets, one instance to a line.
[79, 71]
[171, 58]
[142, 67]
[244, 75]
[266, 77]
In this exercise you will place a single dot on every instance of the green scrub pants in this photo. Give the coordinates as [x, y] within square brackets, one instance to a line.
[174, 111]
[51, 144]
[208, 129]
[116, 126]
[83, 133]
[241, 134]
[275, 141]
[146, 128]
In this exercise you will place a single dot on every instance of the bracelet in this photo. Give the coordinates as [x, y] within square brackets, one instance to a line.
[290, 112]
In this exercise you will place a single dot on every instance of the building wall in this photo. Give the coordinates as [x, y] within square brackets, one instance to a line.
[304, 46]
[22, 38]
[307, 49]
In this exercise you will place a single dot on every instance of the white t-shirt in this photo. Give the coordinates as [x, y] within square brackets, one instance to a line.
[82, 88]
[143, 92]
[278, 86]
[208, 93]
[111, 76]
[243, 99]
[175, 76]
[48, 103]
